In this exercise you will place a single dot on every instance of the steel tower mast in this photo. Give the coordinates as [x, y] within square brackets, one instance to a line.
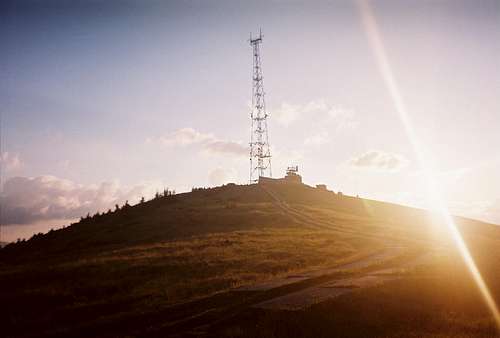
[260, 154]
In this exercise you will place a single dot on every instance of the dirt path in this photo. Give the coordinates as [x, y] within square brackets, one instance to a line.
[305, 219]
[332, 289]
[320, 293]
[294, 214]
[374, 258]
[299, 291]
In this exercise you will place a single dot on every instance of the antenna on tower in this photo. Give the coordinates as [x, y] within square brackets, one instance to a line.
[260, 154]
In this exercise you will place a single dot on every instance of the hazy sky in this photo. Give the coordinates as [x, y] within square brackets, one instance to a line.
[103, 101]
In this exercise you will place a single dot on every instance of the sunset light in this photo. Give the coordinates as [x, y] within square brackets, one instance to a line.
[376, 41]
[243, 169]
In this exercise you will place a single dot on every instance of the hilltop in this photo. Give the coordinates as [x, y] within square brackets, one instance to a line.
[225, 258]
[202, 211]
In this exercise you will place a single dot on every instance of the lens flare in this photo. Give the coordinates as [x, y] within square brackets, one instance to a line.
[375, 40]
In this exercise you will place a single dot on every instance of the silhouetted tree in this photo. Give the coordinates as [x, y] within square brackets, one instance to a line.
[117, 207]
[142, 200]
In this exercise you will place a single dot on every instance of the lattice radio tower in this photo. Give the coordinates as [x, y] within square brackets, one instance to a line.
[260, 154]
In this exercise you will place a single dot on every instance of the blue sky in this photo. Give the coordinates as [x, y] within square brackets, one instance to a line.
[132, 94]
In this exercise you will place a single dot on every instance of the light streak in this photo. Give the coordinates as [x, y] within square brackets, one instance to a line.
[376, 42]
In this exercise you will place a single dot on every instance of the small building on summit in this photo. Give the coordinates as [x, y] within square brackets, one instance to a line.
[292, 177]
[321, 186]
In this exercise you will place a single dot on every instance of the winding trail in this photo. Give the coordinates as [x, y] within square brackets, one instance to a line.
[305, 220]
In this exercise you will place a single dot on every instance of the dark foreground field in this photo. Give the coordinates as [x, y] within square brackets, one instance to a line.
[251, 261]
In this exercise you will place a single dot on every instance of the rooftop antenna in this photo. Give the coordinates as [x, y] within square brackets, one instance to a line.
[260, 154]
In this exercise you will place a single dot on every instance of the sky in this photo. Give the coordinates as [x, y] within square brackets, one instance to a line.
[107, 101]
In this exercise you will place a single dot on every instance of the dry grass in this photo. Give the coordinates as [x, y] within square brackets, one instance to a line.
[171, 251]
[160, 274]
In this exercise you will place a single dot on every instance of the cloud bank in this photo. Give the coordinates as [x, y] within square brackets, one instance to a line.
[379, 160]
[25, 200]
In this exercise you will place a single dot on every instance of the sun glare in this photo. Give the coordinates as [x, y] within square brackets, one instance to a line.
[376, 43]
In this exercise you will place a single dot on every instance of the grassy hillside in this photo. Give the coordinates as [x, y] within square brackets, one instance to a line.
[141, 269]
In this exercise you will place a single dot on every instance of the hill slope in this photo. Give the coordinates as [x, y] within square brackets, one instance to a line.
[149, 268]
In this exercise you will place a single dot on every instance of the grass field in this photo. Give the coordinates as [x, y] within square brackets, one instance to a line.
[170, 267]
[437, 301]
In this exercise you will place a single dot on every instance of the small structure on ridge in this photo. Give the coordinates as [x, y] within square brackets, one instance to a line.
[292, 177]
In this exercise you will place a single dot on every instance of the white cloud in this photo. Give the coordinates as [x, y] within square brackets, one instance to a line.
[319, 110]
[226, 147]
[379, 160]
[287, 113]
[316, 105]
[27, 200]
[185, 136]
[207, 142]
[317, 139]
[10, 162]
[344, 117]
[221, 176]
